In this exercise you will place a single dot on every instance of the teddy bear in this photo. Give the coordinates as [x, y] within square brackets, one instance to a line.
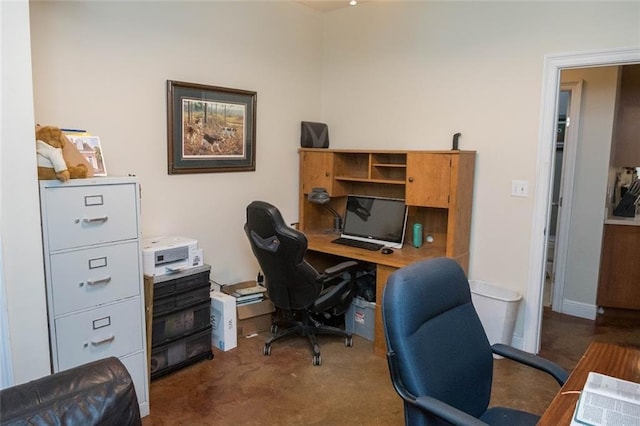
[52, 162]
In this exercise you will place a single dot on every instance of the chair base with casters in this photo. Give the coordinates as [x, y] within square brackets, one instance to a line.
[333, 301]
[307, 327]
[440, 360]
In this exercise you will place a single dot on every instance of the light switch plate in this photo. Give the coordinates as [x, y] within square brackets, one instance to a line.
[519, 188]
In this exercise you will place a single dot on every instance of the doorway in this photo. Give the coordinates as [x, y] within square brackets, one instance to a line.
[553, 64]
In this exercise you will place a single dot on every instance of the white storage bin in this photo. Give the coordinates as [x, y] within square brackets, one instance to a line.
[497, 308]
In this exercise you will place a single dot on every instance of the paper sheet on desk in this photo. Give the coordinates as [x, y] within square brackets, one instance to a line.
[608, 401]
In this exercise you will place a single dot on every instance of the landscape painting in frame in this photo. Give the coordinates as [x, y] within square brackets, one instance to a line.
[210, 129]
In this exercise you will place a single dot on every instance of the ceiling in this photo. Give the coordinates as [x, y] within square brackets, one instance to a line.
[327, 5]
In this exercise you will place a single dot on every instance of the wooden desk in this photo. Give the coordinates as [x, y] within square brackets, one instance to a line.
[437, 187]
[617, 361]
[320, 242]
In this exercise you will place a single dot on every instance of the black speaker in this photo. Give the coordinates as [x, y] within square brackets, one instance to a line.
[314, 135]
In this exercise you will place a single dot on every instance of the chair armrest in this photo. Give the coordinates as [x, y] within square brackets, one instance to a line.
[338, 269]
[426, 403]
[446, 412]
[535, 361]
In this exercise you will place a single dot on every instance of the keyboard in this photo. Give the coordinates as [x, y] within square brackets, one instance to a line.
[357, 243]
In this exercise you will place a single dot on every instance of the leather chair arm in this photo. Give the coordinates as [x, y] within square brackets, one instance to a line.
[338, 269]
[100, 392]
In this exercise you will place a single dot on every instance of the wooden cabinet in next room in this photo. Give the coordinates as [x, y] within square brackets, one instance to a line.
[619, 282]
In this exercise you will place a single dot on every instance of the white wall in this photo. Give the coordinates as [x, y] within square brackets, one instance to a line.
[21, 251]
[590, 185]
[411, 75]
[103, 66]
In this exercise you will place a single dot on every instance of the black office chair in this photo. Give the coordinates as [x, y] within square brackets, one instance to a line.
[440, 360]
[306, 296]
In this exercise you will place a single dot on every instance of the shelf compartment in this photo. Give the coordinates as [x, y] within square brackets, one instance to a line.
[181, 323]
[389, 172]
[177, 302]
[352, 165]
[173, 286]
[369, 180]
[175, 355]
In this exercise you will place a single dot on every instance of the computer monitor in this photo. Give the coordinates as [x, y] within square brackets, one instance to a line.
[375, 219]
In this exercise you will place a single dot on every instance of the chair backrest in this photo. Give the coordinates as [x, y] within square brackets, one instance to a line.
[439, 343]
[290, 281]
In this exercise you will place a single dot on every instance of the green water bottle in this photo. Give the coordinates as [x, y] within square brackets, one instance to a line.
[417, 235]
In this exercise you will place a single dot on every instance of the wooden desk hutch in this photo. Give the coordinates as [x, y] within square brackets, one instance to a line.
[436, 185]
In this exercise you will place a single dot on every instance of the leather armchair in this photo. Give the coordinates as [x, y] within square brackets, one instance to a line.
[97, 393]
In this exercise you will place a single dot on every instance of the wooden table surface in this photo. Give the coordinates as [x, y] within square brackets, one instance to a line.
[613, 360]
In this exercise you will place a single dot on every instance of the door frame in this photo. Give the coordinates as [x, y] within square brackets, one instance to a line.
[552, 66]
[567, 178]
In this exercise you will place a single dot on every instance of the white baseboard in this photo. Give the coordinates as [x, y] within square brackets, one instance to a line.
[579, 309]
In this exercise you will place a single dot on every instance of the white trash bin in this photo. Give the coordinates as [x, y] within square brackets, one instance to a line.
[497, 308]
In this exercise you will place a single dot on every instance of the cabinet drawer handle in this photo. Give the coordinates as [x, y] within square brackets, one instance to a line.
[326, 174]
[97, 281]
[103, 341]
[95, 219]
[410, 179]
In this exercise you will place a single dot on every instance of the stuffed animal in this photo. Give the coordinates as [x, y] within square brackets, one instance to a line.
[52, 164]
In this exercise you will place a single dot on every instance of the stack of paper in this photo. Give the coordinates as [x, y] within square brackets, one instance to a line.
[607, 400]
[248, 295]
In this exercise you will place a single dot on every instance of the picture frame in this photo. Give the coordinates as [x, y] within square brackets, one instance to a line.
[90, 148]
[210, 129]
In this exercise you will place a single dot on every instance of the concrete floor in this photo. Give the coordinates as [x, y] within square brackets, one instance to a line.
[352, 386]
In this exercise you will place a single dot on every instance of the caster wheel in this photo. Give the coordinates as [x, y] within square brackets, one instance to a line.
[317, 360]
[274, 328]
[348, 341]
[266, 350]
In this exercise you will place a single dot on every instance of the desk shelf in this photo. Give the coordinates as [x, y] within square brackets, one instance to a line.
[370, 180]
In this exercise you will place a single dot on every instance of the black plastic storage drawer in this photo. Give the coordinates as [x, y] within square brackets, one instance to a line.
[171, 303]
[180, 285]
[181, 323]
[175, 355]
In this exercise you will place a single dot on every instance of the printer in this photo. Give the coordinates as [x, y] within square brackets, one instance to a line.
[171, 254]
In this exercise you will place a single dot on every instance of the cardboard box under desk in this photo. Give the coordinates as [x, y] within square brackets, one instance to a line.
[252, 318]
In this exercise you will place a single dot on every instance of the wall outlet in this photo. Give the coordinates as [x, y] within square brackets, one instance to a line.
[519, 188]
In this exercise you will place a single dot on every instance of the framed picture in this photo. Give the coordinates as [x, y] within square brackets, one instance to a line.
[210, 129]
[89, 147]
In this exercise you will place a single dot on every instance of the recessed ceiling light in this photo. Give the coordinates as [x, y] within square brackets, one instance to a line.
[353, 2]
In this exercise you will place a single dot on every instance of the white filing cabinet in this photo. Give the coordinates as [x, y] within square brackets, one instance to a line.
[93, 262]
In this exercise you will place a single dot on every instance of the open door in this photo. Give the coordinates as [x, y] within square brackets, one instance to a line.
[566, 147]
